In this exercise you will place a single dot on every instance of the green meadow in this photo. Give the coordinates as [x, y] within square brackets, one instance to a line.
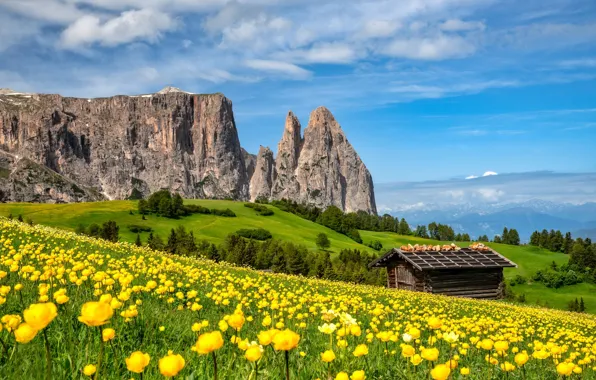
[286, 226]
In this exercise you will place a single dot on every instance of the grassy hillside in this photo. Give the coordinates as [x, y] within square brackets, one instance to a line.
[529, 259]
[183, 315]
[282, 225]
[286, 226]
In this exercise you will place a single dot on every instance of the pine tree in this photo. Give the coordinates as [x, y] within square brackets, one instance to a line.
[513, 237]
[138, 241]
[404, 227]
[505, 236]
[567, 243]
[172, 242]
[535, 238]
[582, 306]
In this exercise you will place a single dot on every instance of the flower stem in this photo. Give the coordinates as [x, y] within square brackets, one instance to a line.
[48, 356]
[100, 357]
[287, 365]
[214, 365]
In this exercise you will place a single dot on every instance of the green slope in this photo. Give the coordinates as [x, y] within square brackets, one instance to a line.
[282, 225]
[286, 226]
[529, 259]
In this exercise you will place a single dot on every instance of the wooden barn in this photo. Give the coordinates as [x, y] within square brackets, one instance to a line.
[474, 272]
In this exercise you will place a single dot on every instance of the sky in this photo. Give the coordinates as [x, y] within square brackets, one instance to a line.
[424, 89]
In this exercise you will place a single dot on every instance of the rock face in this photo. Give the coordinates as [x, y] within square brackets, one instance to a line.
[328, 171]
[60, 149]
[288, 152]
[263, 177]
[130, 146]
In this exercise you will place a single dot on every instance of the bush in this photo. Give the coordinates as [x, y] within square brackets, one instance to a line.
[376, 245]
[256, 234]
[518, 280]
[196, 209]
[137, 228]
[260, 209]
[227, 212]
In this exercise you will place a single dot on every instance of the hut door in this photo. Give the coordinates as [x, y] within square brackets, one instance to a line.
[405, 278]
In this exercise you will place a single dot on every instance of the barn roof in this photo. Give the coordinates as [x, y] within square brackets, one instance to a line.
[463, 258]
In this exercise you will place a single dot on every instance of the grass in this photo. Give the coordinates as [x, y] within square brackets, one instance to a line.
[282, 225]
[286, 226]
[162, 302]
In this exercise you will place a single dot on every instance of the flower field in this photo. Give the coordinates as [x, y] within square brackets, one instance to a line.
[73, 307]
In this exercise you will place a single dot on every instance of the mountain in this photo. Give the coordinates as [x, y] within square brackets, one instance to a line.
[62, 149]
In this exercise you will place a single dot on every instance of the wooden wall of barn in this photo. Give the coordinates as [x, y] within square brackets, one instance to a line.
[471, 283]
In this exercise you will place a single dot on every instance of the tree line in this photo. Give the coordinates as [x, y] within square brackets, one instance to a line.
[552, 240]
[274, 255]
[168, 205]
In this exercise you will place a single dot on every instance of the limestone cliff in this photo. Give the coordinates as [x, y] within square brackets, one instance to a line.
[129, 146]
[328, 170]
[263, 177]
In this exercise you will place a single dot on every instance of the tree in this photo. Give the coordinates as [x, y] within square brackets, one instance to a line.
[165, 207]
[582, 306]
[94, 230]
[177, 204]
[513, 237]
[143, 207]
[544, 241]
[80, 229]
[155, 242]
[433, 231]
[323, 241]
[138, 241]
[20, 218]
[535, 238]
[497, 239]
[404, 227]
[505, 236]
[567, 243]
[421, 232]
[109, 231]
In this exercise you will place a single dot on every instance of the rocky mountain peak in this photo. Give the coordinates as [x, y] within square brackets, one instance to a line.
[170, 89]
[6, 91]
[264, 175]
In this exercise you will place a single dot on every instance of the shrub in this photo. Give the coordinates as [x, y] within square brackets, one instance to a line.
[196, 209]
[137, 228]
[227, 212]
[256, 234]
[518, 280]
[260, 209]
[376, 245]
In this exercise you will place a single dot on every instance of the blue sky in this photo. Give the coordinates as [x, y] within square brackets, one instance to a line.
[425, 89]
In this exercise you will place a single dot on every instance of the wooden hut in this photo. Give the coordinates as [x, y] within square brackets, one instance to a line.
[474, 272]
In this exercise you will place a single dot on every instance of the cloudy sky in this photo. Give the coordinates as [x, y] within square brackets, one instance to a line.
[425, 89]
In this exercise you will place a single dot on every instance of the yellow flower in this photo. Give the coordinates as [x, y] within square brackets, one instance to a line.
[465, 371]
[171, 364]
[501, 346]
[266, 321]
[407, 351]
[253, 353]
[137, 362]
[486, 344]
[541, 354]
[358, 375]
[451, 337]
[435, 323]
[416, 359]
[89, 370]
[162, 328]
[62, 299]
[285, 340]
[39, 315]
[222, 325]
[236, 321]
[360, 350]
[565, 369]
[108, 334]
[430, 354]
[521, 358]
[355, 330]
[209, 342]
[328, 356]
[414, 332]
[342, 376]
[96, 313]
[507, 367]
[440, 372]
[24, 333]
[266, 337]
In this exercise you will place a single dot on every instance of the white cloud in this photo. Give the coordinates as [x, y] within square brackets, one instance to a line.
[379, 28]
[145, 24]
[456, 25]
[471, 176]
[321, 53]
[488, 173]
[278, 67]
[490, 195]
[424, 48]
